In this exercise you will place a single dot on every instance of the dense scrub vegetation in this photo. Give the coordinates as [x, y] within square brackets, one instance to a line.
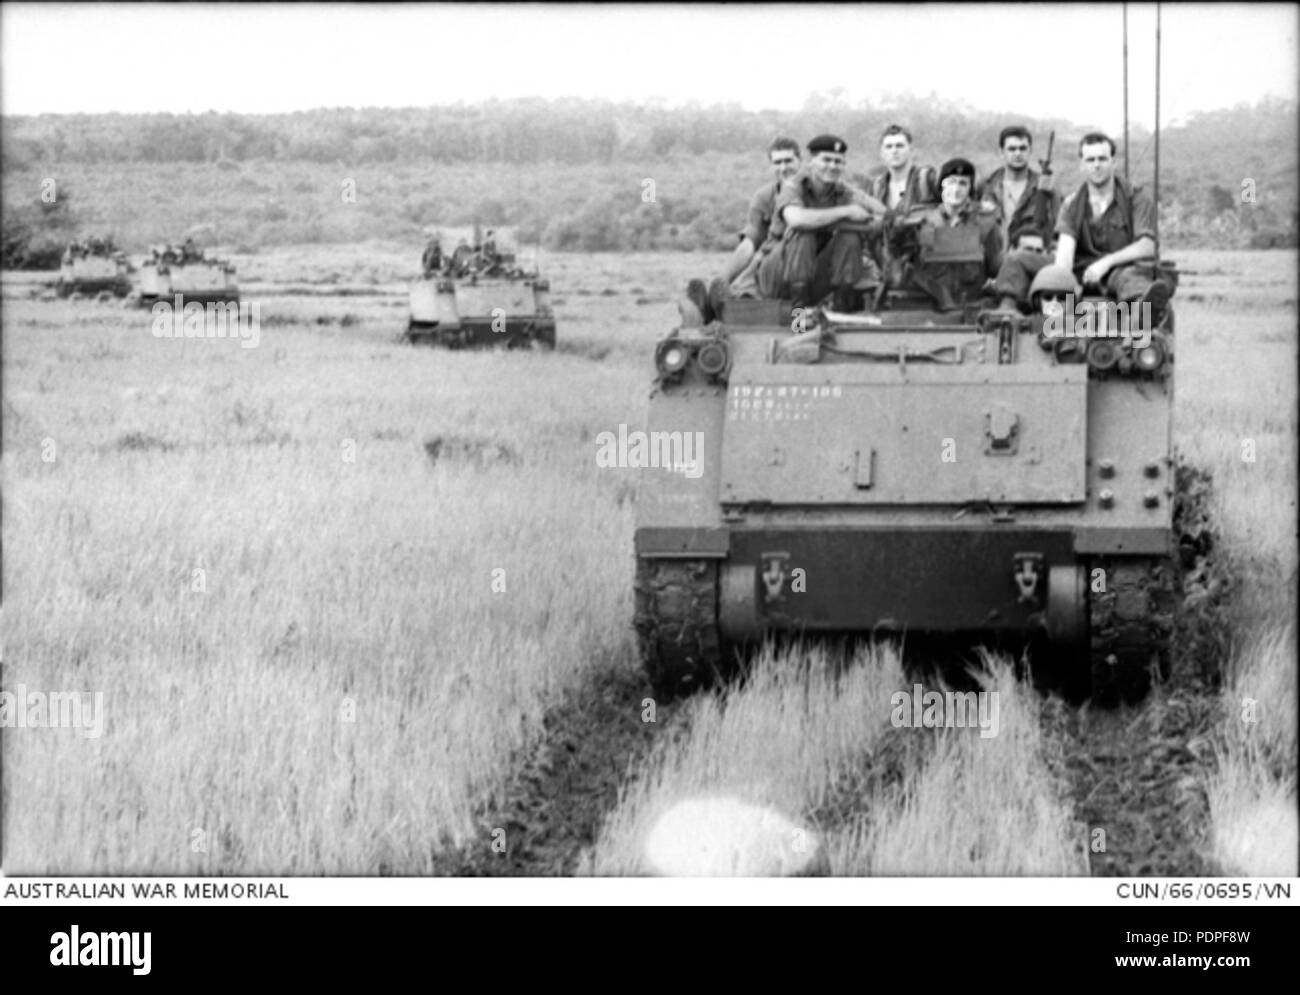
[572, 174]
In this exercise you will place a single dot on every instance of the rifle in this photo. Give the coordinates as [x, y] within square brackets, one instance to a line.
[1046, 164]
[1044, 197]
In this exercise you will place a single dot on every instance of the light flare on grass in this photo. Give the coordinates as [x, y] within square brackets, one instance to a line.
[773, 745]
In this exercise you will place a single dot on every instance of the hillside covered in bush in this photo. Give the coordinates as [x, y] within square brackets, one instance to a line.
[573, 175]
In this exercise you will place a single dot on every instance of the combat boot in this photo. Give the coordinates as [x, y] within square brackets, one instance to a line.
[698, 295]
[799, 294]
[1157, 295]
[718, 292]
[690, 314]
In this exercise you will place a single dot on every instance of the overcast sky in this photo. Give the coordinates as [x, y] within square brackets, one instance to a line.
[1040, 60]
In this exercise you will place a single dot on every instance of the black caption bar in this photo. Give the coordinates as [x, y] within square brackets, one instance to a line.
[143, 946]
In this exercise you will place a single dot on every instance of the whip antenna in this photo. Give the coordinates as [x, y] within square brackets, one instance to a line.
[1157, 183]
[1126, 92]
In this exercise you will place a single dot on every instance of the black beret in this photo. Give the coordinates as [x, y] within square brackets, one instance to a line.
[827, 143]
[957, 167]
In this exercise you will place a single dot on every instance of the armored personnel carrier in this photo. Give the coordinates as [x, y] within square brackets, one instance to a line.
[93, 267]
[478, 295]
[909, 470]
[186, 271]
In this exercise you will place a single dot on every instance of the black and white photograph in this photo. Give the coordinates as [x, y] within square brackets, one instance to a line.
[572, 442]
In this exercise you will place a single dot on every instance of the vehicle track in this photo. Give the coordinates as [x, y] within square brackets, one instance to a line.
[1139, 775]
[559, 793]
[1135, 772]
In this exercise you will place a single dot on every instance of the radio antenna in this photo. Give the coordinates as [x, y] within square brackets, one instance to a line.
[1126, 93]
[1157, 182]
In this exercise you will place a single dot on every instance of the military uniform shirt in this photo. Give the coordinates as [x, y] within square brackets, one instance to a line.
[921, 187]
[1010, 201]
[799, 191]
[1130, 216]
[761, 208]
[1033, 204]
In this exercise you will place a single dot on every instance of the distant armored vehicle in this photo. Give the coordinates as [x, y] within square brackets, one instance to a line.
[184, 270]
[903, 469]
[93, 267]
[478, 296]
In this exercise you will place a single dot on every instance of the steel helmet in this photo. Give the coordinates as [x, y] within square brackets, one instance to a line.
[1053, 280]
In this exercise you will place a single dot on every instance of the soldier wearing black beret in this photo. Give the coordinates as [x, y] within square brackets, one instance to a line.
[827, 143]
[957, 167]
[810, 254]
[958, 243]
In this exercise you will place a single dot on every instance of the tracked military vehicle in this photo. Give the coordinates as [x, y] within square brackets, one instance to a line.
[186, 271]
[93, 267]
[907, 470]
[480, 296]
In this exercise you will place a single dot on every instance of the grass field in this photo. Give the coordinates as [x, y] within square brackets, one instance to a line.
[329, 587]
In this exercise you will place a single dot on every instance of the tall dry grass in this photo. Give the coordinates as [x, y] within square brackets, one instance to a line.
[778, 742]
[331, 585]
[1237, 395]
[975, 806]
[1252, 793]
[341, 686]
[819, 747]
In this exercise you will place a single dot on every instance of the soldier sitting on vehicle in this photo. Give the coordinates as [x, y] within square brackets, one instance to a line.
[1106, 237]
[702, 304]
[958, 245]
[904, 187]
[1017, 193]
[431, 261]
[461, 259]
[1028, 238]
[1048, 291]
[812, 254]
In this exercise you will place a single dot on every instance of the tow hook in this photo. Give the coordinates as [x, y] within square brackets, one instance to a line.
[1027, 574]
[773, 574]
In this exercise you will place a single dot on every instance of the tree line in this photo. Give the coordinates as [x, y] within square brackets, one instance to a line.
[560, 168]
